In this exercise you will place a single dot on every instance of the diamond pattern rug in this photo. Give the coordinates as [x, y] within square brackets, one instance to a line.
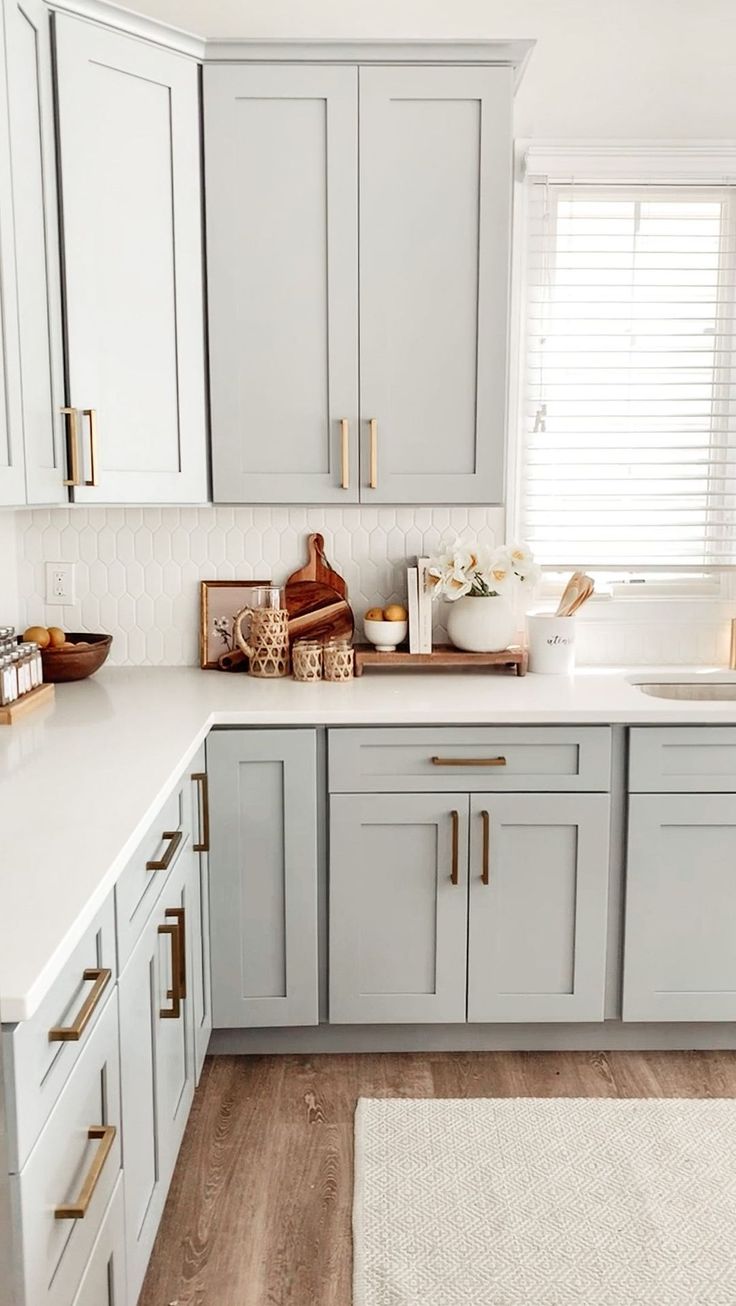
[545, 1202]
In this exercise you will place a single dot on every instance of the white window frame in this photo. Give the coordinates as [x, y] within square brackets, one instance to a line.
[708, 162]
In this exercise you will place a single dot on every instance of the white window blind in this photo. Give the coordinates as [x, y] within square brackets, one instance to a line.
[629, 448]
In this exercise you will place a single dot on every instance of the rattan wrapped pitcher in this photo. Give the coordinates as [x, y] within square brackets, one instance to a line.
[268, 644]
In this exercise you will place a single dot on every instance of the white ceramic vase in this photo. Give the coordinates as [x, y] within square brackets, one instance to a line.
[481, 625]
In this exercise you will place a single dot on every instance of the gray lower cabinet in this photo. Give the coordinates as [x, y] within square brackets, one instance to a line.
[200, 932]
[263, 877]
[538, 907]
[680, 935]
[157, 1062]
[398, 907]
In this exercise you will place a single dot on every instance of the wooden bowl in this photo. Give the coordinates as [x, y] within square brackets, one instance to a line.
[62, 664]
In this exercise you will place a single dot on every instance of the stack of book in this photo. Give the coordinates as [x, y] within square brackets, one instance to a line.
[420, 607]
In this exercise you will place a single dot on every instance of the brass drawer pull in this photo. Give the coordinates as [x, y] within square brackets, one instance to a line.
[91, 413]
[72, 446]
[174, 1011]
[455, 872]
[163, 863]
[344, 454]
[72, 1033]
[200, 778]
[178, 914]
[485, 875]
[373, 482]
[77, 1210]
[468, 761]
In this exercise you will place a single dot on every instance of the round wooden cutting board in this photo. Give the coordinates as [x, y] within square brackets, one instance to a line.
[317, 611]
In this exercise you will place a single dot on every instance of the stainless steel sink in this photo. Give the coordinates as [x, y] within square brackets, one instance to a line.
[713, 690]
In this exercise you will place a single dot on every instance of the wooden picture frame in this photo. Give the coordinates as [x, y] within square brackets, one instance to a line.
[220, 601]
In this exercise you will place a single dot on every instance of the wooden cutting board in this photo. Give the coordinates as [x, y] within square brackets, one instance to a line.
[318, 568]
[317, 611]
[316, 598]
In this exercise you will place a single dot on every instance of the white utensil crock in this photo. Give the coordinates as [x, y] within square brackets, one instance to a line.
[551, 644]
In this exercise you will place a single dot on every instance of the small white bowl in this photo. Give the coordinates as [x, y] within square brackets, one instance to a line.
[386, 634]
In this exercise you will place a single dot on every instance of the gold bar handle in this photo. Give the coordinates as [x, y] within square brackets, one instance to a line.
[455, 871]
[200, 778]
[77, 1210]
[72, 1033]
[344, 454]
[163, 863]
[468, 761]
[178, 914]
[485, 875]
[91, 413]
[174, 1011]
[373, 482]
[72, 446]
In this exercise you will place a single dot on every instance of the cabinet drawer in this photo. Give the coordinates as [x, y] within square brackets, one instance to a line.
[72, 1169]
[104, 1279]
[147, 871]
[687, 759]
[40, 1053]
[484, 759]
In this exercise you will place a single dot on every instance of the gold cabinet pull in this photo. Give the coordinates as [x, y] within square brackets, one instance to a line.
[91, 414]
[373, 481]
[72, 1033]
[468, 761]
[72, 446]
[178, 914]
[174, 1011]
[77, 1210]
[163, 863]
[344, 454]
[200, 778]
[485, 875]
[455, 870]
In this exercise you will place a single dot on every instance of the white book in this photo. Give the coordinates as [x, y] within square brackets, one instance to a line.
[412, 588]
[425, 606]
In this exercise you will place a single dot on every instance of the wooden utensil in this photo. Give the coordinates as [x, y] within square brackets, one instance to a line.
[583, 595]
[318, 568]
[317, 611]
[578, 589]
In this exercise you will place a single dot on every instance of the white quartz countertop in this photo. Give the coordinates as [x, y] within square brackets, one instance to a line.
[82, 780]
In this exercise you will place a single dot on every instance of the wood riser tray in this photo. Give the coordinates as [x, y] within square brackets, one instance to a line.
[37, 697]
[444, 657]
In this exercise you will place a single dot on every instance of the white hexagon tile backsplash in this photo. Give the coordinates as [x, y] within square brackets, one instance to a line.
[137, 570]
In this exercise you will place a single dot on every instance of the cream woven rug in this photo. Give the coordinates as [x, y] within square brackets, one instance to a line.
[545, 1202]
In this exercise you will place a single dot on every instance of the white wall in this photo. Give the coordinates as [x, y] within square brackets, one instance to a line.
[9, 601]
[601, 68]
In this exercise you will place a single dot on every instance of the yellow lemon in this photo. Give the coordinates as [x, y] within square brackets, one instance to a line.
[395, 612]
[56, 636]
[37, 635]
[374, 614]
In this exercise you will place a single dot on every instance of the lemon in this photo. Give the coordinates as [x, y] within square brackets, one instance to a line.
[56, 636]
[374, 614]
[37, 635]
[395, 612]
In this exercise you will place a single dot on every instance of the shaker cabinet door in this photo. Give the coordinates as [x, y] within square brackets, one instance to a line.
[281, 159]
[435, 188]
[129, 143]
[12, 471]
[680, 934]
[263, 877]
[538, 907]
[201, 976]
[398, 908]
[33, 158]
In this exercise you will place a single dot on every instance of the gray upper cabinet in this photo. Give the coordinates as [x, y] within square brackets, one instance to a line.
[263, 877]
[281, 167]
[38, 272]
[680, 937]
[435, 187]
[538, 907]
[358, 227]
[398, 908]
[12, 473]
[131, 203]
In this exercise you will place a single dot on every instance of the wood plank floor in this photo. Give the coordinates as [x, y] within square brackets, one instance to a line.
[259, 1209]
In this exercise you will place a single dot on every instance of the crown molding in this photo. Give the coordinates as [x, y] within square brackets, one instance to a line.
[510, 54]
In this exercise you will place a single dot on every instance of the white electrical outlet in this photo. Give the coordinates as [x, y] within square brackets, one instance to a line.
[60, 582]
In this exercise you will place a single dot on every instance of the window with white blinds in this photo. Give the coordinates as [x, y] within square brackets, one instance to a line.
[629, 447]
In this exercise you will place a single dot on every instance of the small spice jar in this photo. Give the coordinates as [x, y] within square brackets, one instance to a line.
[306, 660]
[8, 681]
[338, 660]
